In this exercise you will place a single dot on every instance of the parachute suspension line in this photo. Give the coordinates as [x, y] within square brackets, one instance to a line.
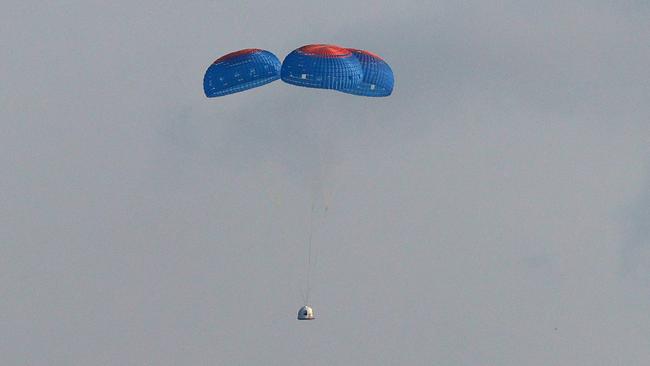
[309, 250]
[317, 197]
[320, 185]
[302, 295]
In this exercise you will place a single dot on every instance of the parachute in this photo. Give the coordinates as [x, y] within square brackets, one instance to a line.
[239, 71]
[377, 79]
[322, 66]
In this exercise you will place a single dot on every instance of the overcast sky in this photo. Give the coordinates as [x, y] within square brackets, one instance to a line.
[495, 210]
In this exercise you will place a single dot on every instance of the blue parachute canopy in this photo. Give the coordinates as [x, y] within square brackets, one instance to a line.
[377, 79]
[239, 71]
[322, 66]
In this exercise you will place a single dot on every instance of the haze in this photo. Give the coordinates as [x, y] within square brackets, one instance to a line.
[493, 211]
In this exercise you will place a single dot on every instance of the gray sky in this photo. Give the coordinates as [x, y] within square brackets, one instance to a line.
[493, 211]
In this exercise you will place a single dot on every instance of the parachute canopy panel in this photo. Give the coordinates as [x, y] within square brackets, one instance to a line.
[239, 71]
[377, 79]
[322, 66]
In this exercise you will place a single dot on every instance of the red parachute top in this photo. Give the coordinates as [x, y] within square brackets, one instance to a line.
[324, 50]
[243, 52]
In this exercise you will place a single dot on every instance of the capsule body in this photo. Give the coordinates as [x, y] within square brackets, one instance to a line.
[306, 313]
